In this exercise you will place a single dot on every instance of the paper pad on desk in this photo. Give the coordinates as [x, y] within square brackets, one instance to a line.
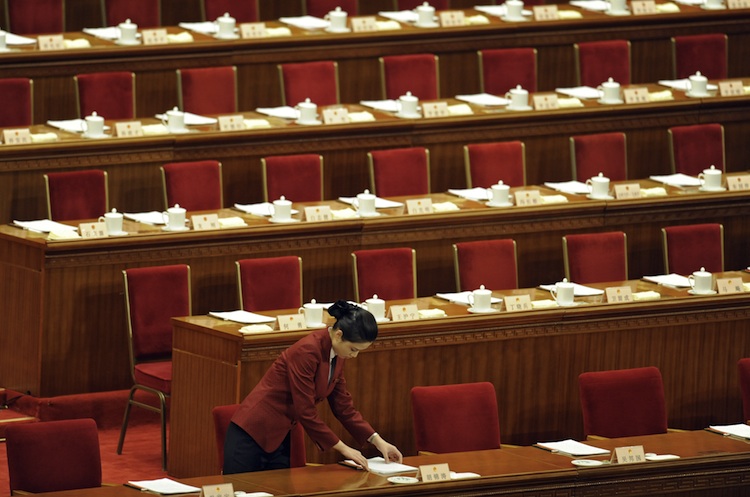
[378, 466]
[673, 280]
[462, 297]
[739, 430]
[578, 290]
[164, 486]
[573, 448]
[244, 317]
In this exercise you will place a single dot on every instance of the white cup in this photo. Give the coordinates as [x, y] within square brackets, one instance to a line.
[481, 299]
[425, 14]
[226, 24]
[338, 19]
[698, 84]
[376, 307]
[408, 104]
[313, 313]
[514, 9]
[617, 6]
[308, 111]
[94, 125]
[499, 193]
[128, 32]
[610, 91]
[519, 98]
[175, 120]
[563, 293]
[282, 209]
[711, 178]
[113, 221]
[598, 186]
[175, 217]
[366, 204]
[701, 281]
[3, 45]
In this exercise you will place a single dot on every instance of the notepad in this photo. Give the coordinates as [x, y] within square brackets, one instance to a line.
[673, 280]
[476, 193]
[578, 290]
[462, 297]
[573, 187]
[738, 430]
[243, 317]
[572, 448]
[164, 486]
[378, 466]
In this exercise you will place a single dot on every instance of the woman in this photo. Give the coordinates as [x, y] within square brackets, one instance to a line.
[303, 375]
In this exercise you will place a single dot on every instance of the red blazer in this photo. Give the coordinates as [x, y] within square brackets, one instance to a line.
[289, 391]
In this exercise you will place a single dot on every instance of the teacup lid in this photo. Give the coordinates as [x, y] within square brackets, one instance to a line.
[601, 176]
[366, 193]
[408, 96]
[282, 198]
[176, 206]
[697, 75]
[114, 211]
[374, 296]
[564, 282]
[127, 22]
[500, 182]
[313, 301]
[93, 114]
[481, 287]
[702, 272]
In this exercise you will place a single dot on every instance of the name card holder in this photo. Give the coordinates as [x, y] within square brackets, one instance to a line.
[318, 213]
[435, 109]
[619, 294]
[731, 88]
[726, 286]
[203, 222]
[546, 13]
[738, 4]
[629, 455]
[627, 191]
[21, 136]
[291, 322]
[337, 115]
[738, 183]
[452, 18]
[51, 42]
[407, 312]
[366, 24]
[431, 473]
[643, 7]
[234, 122]
[525, 198]
[253, 30]
[90, 231]
[546, 102]
[419, 206]
[516, 303]
[218, 490]
[128, 129]
[635, 95]
[156, 36]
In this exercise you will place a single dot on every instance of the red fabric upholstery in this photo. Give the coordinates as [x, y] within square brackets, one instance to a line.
[601, 60]
[743, 367]
[705, 53]
[623, 403]
[319, 8]
[413, 4]
[415, 73]
[318, 81]
[506, 68]
[491, 263]
[388, 273]
[488, 163]
[77, 195]
[29, 17]
[400, 171]
[54, 455]
[109, 94]
[596, 257]
[299, 178]
[697, 147]
[208, 90]
[144, 13]
[196, 186]
[156, 375]
[691, 247]
[270, 283]
[602, 153]
[16, 100]
[241, 10]
[456, 418]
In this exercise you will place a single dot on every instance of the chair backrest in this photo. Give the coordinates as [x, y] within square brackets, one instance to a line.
[743, 367]
[691, 247]
[488, 163]
[153, 296]
[207, 90]
[501, 69]
[696, 147]
[706, 53]
[390, 273]
[596, 257]
[492, 263]
[196, 186]
[597, 61]
[144, 13]
[456, 418]
[109, 94]
[415, 73]
[399, 171]
[318, 81]
[298, 178]
[29, 17]
[76, 195]
[242, 11]
[604, 153]
[17, 102]
[319, 8]
[52, 456]
[270, 283]
[623, 403]
[413, 4]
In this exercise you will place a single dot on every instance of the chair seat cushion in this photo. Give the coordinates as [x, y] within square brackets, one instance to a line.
[156, 375]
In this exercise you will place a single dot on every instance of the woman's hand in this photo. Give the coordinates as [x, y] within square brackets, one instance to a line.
[389, 451]
[353, 454]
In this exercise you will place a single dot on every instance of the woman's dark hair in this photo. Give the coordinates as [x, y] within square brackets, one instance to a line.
[357, 324]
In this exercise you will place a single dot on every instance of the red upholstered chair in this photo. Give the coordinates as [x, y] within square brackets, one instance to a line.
[743, 366]
[30, 17]
[455, 418]
[601, 153]
[597, 61]
[488, 163]
[399, 171]
[623, 403]
[319, 8]
[109, 94]
[318, 81]
[207, 90]
[705, 53]
[415, 73]
[299, 178]
[76, 194]
[153, 296]
[413, 4]
[696, 147]
[390, 273]
[144, 13]
[53, 456]
[501, 69]
[241, 10]
[596, 257]
[691, 247]
[17, 102]
[196, 186]
[492, 263]
[270, 283]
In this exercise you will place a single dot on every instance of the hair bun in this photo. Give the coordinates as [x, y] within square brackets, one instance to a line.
[340, 308]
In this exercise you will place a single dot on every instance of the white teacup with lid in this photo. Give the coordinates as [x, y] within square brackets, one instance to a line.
[617, 7]
[282, 210]
[598, 186]
[174, 120]
[366, 204]
[697, 85]
[481, 299]
[308, 112]
[337, 18]
[175, 218]
[610, 91]
[313, 314]
[425, 15]
[499, 194]
[514, 10]
[226, 25]
[519, 98]
[711, 179]
[701, 282]
[94, 125]
[409, 105]
[128, 32]
[376, 307]
[713, 5]
[563, 292]
[113, 221]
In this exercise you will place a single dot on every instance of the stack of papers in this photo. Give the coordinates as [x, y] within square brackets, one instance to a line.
[656, 191]
[572, 187]
[264, 209]
[380, 203]
[387, 25]
[44, 226]
[585, 92]
[462, 297]
[255, 328]
[361, 117]
[11, 39]
[578, 290]
[206, 27]
[592, 5]
[683, 84]
[573, 448]
[485, 99]
[431, 313]
[405, 16]
[553, 199]
[306, 22]
[498, 10]
[647, 295]
[183, 37]
[72, 125]
[459, 110]
[673, 280]
[738, 430]
[76, 43]
[384, 105]
[152, 217]
[678, 179]
[284, 112]
[444, 207]
[568, 103]
[192, 119]
[163, 486]
[243, 317]
[667, 8]
[378, 466]
[660, 96]
[475, 193]
[256, 123]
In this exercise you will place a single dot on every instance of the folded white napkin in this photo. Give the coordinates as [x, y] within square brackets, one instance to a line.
[256, 123]
[475, 20]
[568, 103]
[648, 295]
[431, 313]
[154, 129]
[282, 31]
[244, 317]
[543, 304]
[459, 110]
[255, 328]
[657, 191]
[444, 207]
[183, 37]
[108, 33]
[667, 7]
[387, 25]
[569, 14]
[192, 119]
[344, 213]
[43, 137]
[553, 199]
[231, 222]
[361, 117]
[660, 96]
[483, 99]
[77, 43]
[63, 235]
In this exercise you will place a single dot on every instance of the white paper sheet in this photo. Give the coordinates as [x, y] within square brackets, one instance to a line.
[44, 226]
[673, 280]
[164, 486]
[678, 179]
[243, 317]
[405, 16]
[264, 209]
[108, 33]
[740, 430]
[306, 22]
[593, 5]
[72, 125]
[585, 92]
[284, 112]
[475, 193]
[572, 187]
[578, 290]
[152, 217]
[498, 10]
[462, 297]
[573, 448]
[380, 203]
[11, 39]
[378, 466]
[683, 84]
[192, 119]
[485, 99]
[205, 27]
[383, 105]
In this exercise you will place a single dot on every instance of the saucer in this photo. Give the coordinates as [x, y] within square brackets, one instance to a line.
[699, 95]
[617, 12]
[719, 189]
[382, 320]
[374, 214]
[513, 19]
[505, 204]
[233, 36]
[525, 107]
[408, 116]
[167, 228]
[587, 463]
[127, 43]
[693, 292]
[316, 325]
[403, 480]
[284, 221]
[483, 311]
[316, 122]
[611, 102]
[178, 131]
[608, 197]
[118, 233]
[339, 30]
[95, 137]
[572, 304]
[428, 25]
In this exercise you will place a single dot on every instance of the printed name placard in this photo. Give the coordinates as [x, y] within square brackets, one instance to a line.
[738, 183]
[546, 13]
[643, 7]
[619, 294]
[525, 198]
[452, 18]
[408, 312]
[218, 490]
[627, 190]
[51, 42]
[93, 230]
[419, 206]
[738, 4]
[731, 88]
[253, 30]
[635, 95]
[546, 102]
[435, 109]
[338, 115]
[156, 36]
[729, 285]
[234, 122]
[318, 213]
[515, 303]
[366, 24]
[629, 455]
[291, 322]
[19, 136]
[128, 129]
[202, 222]
[434, 472]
